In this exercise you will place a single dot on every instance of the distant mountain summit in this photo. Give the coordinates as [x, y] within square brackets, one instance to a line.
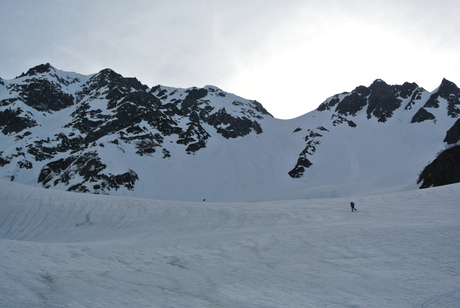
[109, 134]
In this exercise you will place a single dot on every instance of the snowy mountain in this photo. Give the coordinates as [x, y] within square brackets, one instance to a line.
[108, 134]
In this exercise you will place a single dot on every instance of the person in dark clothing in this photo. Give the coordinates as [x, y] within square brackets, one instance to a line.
[352, 205]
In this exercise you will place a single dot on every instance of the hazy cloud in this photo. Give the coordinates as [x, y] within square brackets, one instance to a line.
[289, 55]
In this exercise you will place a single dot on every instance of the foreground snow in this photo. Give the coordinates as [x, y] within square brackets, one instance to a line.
[61, 249]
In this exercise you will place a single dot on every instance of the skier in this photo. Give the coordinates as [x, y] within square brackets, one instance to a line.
[352, 205]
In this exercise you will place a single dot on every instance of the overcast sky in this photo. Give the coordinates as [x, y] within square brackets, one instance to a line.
[290, 55]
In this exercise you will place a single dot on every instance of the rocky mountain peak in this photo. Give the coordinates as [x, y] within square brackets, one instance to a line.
[379, 101]
[446, 94]
[108, 77]
[407, 89]
[39, 69]
[382, 101]
[447, 86]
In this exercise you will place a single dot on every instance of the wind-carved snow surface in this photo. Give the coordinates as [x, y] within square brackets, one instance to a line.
[61, 249]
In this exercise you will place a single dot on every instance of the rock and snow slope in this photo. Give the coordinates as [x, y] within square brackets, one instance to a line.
[108, 134]
[62, 249]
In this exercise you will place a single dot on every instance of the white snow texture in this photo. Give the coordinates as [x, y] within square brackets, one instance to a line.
[62, 249]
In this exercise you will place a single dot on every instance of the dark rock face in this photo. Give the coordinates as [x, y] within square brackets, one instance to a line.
[3, 161]
[422, 115]
[15, 120]
[416, 96]
[450, 92]
[447, 91]
[312, 141]
[197, 108]
[453, 134]
[380, 98]
[194, 137]
[444, 170]
[89, 168]
[329, 103]
[192, 103]
[407, 89]
[299, 168]
[382, 101]
[39, 69]
[44, 95]
[232, 127]
[109, 84]
[353, 103]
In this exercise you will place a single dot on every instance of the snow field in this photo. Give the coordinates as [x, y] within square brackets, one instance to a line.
[62, 249]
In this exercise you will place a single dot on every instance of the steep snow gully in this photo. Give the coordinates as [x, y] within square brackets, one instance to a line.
[61, 249]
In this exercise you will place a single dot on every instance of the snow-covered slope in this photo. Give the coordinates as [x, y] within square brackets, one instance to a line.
[62, 249]
[108, 134]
